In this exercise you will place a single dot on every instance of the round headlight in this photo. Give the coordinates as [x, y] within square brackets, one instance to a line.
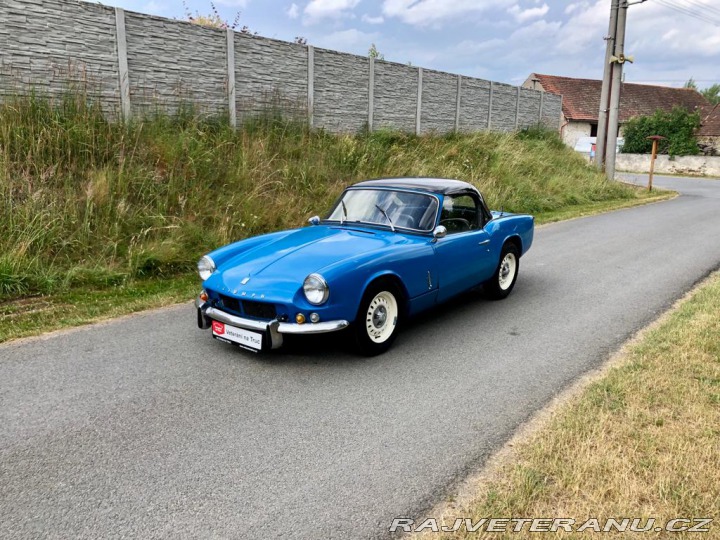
[205, 266]
[316, 289]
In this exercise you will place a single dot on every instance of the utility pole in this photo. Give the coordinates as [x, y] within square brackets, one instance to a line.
[605, 93]
[614, 115]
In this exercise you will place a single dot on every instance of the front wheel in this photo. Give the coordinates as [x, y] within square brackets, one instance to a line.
[376, 324]
[501, 284]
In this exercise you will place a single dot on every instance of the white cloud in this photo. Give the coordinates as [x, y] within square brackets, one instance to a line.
[425, 12]
[539, 31]
[522, 15]
[473, 47]
[351, 39]
[329, 9]
[373, 20]
[293, 11]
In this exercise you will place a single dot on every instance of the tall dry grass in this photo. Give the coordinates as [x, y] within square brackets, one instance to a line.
[84, 201]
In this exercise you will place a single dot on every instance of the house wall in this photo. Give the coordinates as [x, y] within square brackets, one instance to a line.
[574, 130]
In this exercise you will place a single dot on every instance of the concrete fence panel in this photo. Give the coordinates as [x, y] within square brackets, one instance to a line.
[439, 99]
[504, 107]
[395, 104]
[474, 105]
[270, 74]
[172, 63]
[341, 91]
[49, 45]
[136, 63]
[529, 111]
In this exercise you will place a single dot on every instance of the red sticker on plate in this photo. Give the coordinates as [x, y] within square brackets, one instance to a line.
[218, 328]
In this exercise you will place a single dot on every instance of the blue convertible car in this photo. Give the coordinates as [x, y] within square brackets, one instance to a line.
[388, 250]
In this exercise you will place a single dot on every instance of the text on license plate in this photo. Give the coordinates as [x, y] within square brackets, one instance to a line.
[237, 335]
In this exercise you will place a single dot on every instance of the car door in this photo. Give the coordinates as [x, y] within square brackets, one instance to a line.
[463, 259]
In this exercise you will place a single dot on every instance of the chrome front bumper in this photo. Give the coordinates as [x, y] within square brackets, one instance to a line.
[274, 329]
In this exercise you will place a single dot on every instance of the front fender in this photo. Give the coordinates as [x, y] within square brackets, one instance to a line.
[408, 265]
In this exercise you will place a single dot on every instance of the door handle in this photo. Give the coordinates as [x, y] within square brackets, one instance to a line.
[484, 242]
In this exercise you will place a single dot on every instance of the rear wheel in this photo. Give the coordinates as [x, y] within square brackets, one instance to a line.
[501, 284]
[376, 324]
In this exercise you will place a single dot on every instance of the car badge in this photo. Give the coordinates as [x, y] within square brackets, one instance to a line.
[244, 281]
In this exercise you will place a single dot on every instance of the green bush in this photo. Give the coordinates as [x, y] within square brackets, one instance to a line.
[678, 126]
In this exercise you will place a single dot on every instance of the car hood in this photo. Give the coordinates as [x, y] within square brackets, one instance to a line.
[284, 263]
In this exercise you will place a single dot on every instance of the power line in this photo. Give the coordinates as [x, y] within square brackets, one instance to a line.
[689, 11]
[702, 7]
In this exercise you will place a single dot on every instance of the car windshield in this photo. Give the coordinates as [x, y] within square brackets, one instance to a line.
[391, 208]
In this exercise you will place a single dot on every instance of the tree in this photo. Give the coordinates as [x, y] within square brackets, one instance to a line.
[678, 126]
[374, 53]
[712, 93]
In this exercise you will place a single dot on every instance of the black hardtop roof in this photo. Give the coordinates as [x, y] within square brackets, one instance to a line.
[444, 186]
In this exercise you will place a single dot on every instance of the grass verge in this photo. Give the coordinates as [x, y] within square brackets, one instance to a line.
[642, 441]
[33, 315]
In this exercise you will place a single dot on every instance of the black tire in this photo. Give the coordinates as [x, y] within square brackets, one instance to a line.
[378, 318]
[503, 281]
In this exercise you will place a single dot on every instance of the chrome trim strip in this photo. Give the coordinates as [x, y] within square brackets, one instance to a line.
[282, 328]
[247, 324]
[310, 328]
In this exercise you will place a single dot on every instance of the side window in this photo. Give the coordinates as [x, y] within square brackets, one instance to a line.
[459, 213]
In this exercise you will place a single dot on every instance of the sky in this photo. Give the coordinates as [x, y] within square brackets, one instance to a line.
[501, 40]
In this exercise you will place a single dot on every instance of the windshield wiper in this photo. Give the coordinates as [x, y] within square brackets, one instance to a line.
[344, 218]
[384, 213]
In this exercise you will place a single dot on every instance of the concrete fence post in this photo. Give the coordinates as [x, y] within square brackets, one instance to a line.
[517, 107]
[457, 103]
[371, 94]
[419, 101]
[542, 106]
[490, 100]
[232, 108]
[311, 85]
[123, 73]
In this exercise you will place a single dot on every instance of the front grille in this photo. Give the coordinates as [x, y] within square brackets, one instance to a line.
[230, 303]
[259, 310]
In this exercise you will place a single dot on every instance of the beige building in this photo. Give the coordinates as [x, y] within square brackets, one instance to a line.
[581, 102]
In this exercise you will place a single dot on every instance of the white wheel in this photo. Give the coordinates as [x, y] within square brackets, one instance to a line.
[501, 284]
[508, 268]
[381, 317]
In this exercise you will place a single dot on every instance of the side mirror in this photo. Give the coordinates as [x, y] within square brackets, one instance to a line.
[439, 232]
[315, 220]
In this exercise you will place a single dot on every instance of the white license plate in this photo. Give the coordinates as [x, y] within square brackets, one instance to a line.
[243, 337]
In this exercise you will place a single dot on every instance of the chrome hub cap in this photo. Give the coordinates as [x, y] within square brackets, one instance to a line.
[380, 316]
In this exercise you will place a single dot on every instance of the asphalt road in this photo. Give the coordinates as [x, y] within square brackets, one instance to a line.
[147, 427]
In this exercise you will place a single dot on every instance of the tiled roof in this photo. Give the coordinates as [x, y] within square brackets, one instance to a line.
[581, 97]
[710, 119]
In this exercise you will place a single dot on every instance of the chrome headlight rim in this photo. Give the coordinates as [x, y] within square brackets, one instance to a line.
[206, 267]
[316, 283]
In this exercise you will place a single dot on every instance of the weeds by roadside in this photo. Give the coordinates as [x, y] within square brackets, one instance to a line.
[85, 202]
